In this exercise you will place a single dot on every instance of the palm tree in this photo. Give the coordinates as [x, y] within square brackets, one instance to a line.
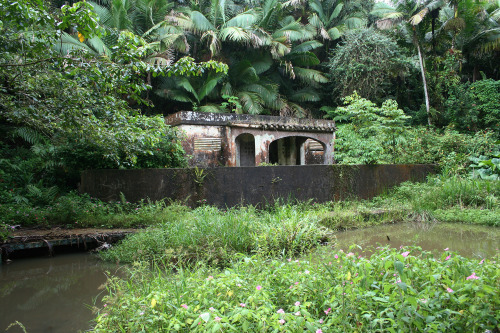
[409, 15]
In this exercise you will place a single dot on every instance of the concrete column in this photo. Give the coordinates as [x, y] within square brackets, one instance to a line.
[262, 142]
[329, 150]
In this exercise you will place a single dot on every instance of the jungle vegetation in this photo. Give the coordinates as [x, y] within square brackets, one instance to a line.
[87, 84]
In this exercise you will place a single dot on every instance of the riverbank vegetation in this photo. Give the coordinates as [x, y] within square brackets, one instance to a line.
[328, 291]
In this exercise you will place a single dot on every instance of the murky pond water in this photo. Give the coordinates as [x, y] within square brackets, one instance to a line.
[51, 294]
[467, 240]
[55, 294]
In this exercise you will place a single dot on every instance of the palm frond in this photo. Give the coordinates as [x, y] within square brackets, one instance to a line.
[67, 43]
[336, 12]
[290, 109]
[317, 8]
[306, 46]
[262, 63]
[384, 10]
[303, 59]
[243, 71]
[209, 84]
[305, 95]
[212, 108]
[214, 44]
[98, 45]
[244, 20]
[292, 31]
[310, 75]
[235, 34]
[251, 103]
[417, 18]
[200, 23]
[267, 92]
[334, 33]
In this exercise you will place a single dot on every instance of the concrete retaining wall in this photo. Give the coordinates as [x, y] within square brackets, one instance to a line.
[250, 185]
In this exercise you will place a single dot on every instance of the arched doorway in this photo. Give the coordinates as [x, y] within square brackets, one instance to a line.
[245, 150]
[296, 150]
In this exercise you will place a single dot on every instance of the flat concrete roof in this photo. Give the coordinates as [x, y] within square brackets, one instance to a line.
[253, 121]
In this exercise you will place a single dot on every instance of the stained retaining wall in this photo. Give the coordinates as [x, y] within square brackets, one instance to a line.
[227, 187]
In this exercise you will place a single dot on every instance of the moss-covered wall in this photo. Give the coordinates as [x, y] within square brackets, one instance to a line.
[250, 185]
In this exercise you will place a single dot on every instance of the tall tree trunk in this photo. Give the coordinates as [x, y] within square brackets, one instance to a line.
[422, 70]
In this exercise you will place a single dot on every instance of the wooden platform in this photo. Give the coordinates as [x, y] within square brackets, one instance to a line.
[23, 240]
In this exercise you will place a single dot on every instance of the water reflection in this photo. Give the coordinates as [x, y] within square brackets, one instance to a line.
[468, 240]
[51, 294]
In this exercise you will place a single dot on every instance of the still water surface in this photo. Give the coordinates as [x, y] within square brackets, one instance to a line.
[468, 240]
[55, 294]
[51, 294]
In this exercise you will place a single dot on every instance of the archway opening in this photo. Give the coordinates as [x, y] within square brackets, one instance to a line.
[296, 150]
[286, 151]
[313, 152]
[245, 150]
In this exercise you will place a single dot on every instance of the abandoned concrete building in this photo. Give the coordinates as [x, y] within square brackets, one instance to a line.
[223, 139]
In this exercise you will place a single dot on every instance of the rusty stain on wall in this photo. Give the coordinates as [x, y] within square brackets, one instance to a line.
[223, 139]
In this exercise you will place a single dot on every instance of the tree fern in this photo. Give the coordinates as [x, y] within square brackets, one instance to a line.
[30, 135]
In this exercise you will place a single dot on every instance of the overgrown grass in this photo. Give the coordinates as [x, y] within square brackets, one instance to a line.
[214, 236]
[392, 291]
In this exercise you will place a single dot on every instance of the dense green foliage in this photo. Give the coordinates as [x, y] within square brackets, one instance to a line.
[389, 291]
[367, 61]
[376, 135]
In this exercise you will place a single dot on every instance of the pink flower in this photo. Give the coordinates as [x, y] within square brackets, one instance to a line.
[473, 276]
[296, 283]
[297, 313]
[212, 309]
[217, 318]
[281, 311]
[350, 254]
[449, 290]
[297, 303]
[281, 321]
[336, 256]
[321, 321]
[448, 257]
[184, 306]
[328, 310]
[446, 249]
[258, 287]
[289, 259]
[210, 277]
[405, 254]
[238, 284]
[481, 262]
[319, 331]
[243, 305]
[306, 272]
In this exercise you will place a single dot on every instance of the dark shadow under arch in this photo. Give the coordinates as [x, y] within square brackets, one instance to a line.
[293, 150]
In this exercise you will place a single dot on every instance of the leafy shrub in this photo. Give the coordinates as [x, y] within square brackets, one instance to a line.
[486, 166]
[443, 193]
[366, 62]
[393, 290]
[475, 106]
